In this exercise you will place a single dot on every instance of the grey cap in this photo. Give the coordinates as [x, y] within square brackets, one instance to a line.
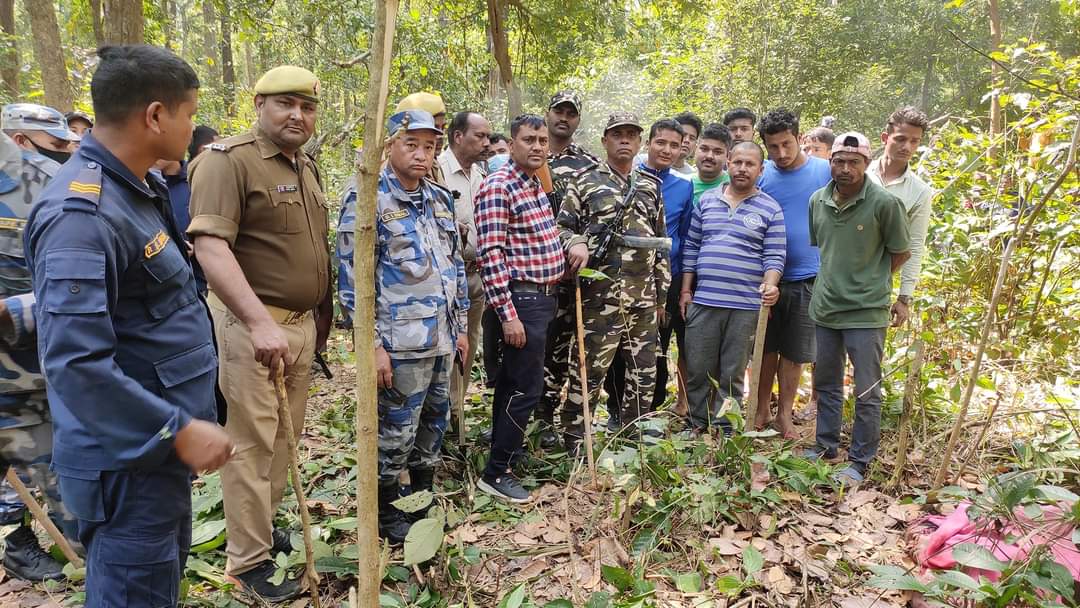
[33, 117]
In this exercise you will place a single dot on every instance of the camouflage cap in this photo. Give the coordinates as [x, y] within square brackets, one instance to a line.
[619, 119]
[34, 117]
[566, 96]
[428, 102]
[77, 115]
[289, 80]
[412, 120]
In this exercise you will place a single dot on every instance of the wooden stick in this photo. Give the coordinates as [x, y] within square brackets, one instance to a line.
[369, 577]
[459, 404]
[755, 364]
[285, 413]
[43, 518]
[584, 382]
[912, 385]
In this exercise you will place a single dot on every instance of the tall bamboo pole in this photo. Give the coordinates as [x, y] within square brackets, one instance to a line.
[367, 417]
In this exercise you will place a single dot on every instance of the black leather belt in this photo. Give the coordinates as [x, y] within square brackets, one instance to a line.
[525, 286]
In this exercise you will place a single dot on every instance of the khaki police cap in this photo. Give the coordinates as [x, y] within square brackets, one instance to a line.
[291, 80]
[428, 102]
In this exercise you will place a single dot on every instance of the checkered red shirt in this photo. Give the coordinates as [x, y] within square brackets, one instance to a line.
[516, 236]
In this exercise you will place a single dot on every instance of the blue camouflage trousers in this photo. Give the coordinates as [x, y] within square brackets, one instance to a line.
[28, 448]
[413, 414]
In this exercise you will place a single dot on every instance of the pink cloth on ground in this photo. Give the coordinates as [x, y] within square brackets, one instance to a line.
[957, 528]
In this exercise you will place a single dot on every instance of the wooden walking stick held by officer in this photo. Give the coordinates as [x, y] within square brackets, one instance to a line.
[43, 518]
[285, 414]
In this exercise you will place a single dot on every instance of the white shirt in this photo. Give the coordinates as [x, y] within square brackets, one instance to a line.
[916, 195]
[464, 188]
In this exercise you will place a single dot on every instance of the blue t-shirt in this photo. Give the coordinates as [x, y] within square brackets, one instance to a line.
[678, 195]
[792, 189]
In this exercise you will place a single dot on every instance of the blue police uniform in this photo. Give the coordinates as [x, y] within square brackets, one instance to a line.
[127, 350]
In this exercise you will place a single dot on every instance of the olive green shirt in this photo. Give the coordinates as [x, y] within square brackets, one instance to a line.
[853, 288]
[271, 211]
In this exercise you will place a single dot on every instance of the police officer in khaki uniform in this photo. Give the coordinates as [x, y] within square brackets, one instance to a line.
[259, 223]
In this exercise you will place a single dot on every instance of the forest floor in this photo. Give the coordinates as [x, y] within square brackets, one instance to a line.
[668, 522]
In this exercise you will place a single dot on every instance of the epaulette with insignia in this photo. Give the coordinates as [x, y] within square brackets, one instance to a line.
[229, 143]
[84, 192]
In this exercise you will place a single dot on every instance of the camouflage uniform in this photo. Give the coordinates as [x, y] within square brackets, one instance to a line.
[25, 425]
[343, 254]
[421, 303]
[619, 312]
[564, 165]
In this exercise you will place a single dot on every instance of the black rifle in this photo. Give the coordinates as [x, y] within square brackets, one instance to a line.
[611, 229]
[321, 361]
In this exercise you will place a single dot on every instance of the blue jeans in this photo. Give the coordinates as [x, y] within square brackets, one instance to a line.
[865, 348]
[520, 380]
[136, 527]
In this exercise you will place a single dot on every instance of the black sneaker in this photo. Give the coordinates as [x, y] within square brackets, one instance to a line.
[506, 487]
[257, 582]
[280, 541]
[548, 439]
[25, 559]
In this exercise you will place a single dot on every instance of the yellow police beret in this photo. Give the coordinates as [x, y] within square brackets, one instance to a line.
[288, 79]
[428, 102]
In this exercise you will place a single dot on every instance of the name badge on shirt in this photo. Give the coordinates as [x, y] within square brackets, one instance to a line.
[287, 188]
[446, 215]
[157, 245]
[395, 215]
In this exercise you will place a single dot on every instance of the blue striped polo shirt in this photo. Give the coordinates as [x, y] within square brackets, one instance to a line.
[732, 249]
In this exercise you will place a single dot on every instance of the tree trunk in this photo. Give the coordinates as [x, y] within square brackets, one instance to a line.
[501, 50]
[367, 417]
[928, 79]
[9, 57]
[95, 22]
[167, 23]
[228, 73]
[249, 64]
[49, 54]
[210, 47]
[123, 22]
[997, 121]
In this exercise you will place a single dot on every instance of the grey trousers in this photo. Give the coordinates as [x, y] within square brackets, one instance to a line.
[865, 348]
[718, 343]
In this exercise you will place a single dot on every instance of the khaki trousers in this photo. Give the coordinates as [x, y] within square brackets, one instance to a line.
[253, 482]
[458, 384]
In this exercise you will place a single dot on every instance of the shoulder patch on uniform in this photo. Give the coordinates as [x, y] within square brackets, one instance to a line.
[218, 147]
[86, 186]
[394, 215]
[156, 245]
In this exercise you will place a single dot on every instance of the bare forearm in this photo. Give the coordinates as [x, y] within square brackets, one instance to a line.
[898, 260]
[772, 277]
[226, 279]
[688, 281]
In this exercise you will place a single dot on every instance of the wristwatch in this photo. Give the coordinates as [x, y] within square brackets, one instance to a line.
[905, 300]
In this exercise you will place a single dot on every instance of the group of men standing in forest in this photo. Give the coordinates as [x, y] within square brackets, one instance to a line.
[140, 360]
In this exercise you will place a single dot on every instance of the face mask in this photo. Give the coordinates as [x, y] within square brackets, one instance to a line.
[60, 157]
